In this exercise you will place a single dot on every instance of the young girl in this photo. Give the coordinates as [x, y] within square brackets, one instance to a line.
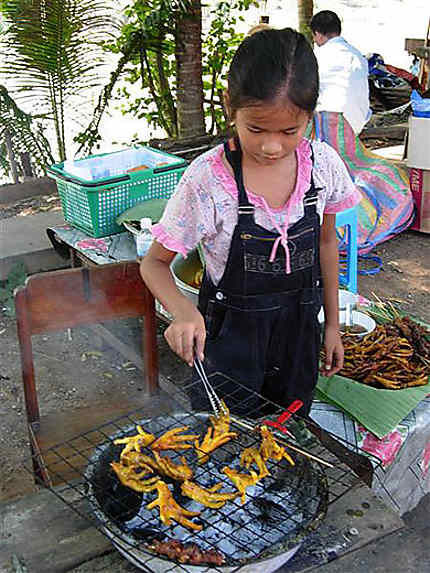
[263, 208]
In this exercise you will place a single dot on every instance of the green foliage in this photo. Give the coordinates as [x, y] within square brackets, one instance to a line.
[305, 12]
[52, 49]
[147, 48]
[219, 47]
[25, 133]
[16, 277]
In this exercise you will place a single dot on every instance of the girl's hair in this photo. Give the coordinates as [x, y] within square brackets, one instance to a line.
[270, 65]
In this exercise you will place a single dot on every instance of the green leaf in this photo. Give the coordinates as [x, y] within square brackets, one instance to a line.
[152, 208]
[53, 49]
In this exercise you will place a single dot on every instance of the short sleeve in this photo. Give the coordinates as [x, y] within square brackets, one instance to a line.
[189, 215]
[340, 191]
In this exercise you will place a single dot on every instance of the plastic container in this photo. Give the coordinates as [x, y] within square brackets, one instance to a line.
[420, 106]
[358, 319]
[95, 190]
[144, 237]
[345, 297]
[419, 143]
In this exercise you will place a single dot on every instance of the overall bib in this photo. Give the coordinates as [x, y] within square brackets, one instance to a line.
[262, 327]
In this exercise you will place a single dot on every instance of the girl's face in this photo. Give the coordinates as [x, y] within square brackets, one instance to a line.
[269, 133]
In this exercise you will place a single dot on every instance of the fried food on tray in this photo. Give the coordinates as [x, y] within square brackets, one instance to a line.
[385, 358]
[210, 443]
[221, 423]
[251, 456]
[168, 468]
[160, 464]
[171, 510]
[137, 442]
[198, 278]
[270, 449]
[189, 553]
[138, 459]
[416, 334]
[209, 497]
[172, 441]
[130, 477]
[143, 471]
[241, 481]
[215, 437]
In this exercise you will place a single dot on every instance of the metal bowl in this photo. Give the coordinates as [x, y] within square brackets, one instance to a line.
[183, 271]
[258, 536]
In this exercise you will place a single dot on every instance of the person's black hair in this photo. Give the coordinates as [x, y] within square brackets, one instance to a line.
[326, 23]
[272, 64]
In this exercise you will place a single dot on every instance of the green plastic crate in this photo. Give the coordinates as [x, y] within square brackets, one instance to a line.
[93, 205]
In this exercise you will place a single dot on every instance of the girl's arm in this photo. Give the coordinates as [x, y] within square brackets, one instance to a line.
[186, 334]
[329, 259]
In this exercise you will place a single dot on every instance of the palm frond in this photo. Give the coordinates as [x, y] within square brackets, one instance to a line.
[54, 50]
[25, 133]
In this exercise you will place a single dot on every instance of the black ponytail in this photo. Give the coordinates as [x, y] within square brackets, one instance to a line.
[274, 64]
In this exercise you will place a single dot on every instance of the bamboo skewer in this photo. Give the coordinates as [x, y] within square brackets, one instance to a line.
[294, 448]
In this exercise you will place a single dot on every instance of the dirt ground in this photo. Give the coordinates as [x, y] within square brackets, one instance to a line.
[78, 368]
[74, 369]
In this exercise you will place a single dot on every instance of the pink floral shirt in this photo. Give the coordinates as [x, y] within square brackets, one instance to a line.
[204, 205]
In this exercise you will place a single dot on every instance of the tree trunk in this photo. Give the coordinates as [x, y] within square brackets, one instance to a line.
[306, 10]
[189, 97]
[11, 157]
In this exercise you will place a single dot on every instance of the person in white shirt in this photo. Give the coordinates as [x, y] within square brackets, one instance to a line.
[343, 72]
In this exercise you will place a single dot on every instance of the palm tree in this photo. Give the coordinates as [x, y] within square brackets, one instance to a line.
[53, 52]
[306, 10]
[189, 93]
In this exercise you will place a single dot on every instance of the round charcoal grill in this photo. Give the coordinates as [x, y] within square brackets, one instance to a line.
[259, 535]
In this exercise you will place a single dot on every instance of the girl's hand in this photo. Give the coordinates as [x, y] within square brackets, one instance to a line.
[333, 361]
[186, 335]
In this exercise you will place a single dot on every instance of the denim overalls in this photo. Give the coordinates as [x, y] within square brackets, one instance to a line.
[262, 327]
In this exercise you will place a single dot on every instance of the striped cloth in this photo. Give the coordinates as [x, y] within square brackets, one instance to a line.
[387, 206]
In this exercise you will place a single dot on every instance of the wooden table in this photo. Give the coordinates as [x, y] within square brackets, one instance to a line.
[82, 250]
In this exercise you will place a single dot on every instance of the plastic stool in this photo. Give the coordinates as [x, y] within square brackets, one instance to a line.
[348, 219]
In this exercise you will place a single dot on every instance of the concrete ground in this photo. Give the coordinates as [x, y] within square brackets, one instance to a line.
[404, 551]
[24, 239]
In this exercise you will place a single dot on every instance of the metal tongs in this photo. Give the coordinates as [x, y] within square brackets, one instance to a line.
[220, 409]
[217, 404]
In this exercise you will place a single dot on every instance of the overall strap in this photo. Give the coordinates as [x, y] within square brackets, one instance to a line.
[310, 199]
[233, 154]
[310, 207]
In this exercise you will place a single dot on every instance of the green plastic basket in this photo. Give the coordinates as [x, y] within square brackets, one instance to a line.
[92, 206]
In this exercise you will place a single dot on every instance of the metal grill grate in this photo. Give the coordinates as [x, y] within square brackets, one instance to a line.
[279, 510]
